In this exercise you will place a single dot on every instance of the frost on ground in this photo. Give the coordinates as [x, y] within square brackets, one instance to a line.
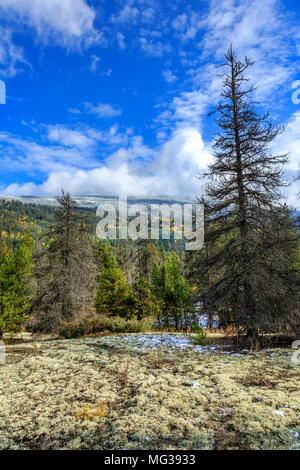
[76, 394]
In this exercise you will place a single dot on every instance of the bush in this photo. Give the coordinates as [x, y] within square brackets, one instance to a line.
[200, 339]
[98, 325]
[196, 328]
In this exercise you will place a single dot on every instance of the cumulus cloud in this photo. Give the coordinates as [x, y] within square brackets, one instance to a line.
[69, 23]
[187, 108]
[132, 168]
[69, 159]
[57, 148]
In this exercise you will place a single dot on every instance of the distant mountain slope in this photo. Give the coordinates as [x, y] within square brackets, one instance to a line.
[94, 201]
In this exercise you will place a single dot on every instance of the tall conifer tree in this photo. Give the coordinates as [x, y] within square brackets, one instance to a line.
[244, 213]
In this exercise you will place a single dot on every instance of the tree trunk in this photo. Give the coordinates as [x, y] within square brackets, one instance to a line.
[252, 337]
[211, 321]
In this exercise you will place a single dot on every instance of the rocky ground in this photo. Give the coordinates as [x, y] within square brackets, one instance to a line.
[147, 392]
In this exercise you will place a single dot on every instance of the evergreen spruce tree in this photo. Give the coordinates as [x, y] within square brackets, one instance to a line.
[142, 298]
[244, 212]
[15, 295]
[147, 254]
[171, 292]
[65, 271]
[114, 294]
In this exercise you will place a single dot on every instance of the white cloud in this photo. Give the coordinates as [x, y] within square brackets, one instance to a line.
[69, 22]
[169, 76]
[61, 149]
[289, 142]
[186, 109]
[187, 25]
[154, 49]
[180, 159]
[69, 137]
[11, 56]
[107, 73]
[103, 110]
[128, 14]
[70, 160]
[257, 29]
[148, 15]
[27, 156]
[179, 23]
[133, 168]
[121, 40]
[94, 63]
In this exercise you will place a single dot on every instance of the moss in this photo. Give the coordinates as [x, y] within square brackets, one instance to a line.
[69, 396]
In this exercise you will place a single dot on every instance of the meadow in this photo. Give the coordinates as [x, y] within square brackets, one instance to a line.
[147, 391]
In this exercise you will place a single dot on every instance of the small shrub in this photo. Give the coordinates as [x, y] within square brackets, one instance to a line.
[200, 339]
[98, 325]
[79, 329]
[155, 362]
[196, 328]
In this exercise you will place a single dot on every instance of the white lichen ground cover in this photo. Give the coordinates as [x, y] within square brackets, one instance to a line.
[75, 394]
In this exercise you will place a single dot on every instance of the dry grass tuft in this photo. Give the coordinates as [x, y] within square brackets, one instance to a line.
[89, 413]
[124, 374]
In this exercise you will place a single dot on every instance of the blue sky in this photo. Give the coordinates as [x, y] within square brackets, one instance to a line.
[113, 96]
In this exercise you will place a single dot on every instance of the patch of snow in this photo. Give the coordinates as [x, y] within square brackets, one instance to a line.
[203, 320]
[146, 342]
[194, 384]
